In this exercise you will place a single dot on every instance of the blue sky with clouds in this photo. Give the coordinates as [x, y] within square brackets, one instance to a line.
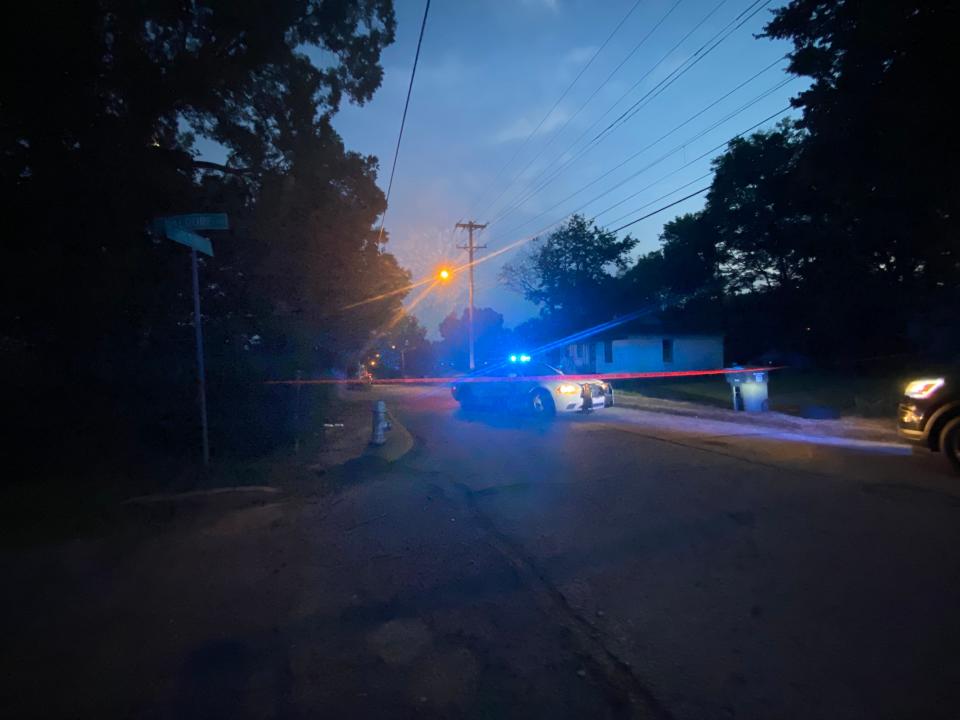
[489, 72]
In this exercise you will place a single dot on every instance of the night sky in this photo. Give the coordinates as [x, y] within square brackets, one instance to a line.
[490, 70]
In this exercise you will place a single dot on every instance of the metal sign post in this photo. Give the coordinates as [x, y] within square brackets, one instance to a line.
[178, 228]
[201, 372]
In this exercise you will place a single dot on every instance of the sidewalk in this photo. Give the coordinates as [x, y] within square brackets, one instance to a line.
[349, 438]
[854, 428]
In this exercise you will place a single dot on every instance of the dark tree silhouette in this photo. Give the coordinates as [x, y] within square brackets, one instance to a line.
[571, 274]
[99, 125]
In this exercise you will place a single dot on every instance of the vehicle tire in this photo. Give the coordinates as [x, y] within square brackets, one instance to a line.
[541, 404]
[950, 443]
[466, 399]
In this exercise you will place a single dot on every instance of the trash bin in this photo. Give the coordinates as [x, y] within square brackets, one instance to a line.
[749, 390]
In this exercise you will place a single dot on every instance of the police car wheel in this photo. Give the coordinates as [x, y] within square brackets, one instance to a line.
[542, 404]
[466, 398]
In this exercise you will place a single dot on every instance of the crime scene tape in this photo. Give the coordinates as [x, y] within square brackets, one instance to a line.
[526, 378]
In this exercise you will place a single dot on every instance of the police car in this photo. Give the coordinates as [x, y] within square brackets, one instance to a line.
[527, 384]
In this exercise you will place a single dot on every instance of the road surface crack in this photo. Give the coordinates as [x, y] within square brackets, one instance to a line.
[604, 665]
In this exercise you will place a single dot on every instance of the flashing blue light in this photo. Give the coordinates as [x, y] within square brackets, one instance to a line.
[524, 358]
[513, 358]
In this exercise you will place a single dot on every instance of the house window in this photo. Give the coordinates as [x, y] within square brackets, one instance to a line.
[667, 350]
[608, 351]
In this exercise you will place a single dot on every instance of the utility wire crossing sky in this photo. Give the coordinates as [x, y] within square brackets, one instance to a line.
[520, 107]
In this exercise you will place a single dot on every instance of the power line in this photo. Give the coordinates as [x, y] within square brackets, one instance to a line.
[684, 123]
[711, 44]
[698, 179]
[536, 234]
[685, 67]
[554, 107]
[684, 167]
[661, 209]
[563, 127]
[403, 122]
[606, 112]
[660, 159]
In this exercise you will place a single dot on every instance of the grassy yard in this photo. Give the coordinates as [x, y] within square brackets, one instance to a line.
[791, 391]
[72, 485]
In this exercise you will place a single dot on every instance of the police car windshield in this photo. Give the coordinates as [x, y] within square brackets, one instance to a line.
[531, 369]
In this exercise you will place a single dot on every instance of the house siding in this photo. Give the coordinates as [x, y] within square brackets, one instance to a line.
[645, 354]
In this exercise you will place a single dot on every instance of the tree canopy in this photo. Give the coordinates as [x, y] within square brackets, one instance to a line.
[101, 127]
[568, 273]
[492, 340]
[834, 235]
[99, 134]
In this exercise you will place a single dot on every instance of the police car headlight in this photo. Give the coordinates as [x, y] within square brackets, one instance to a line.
[922, 389]
[566, 389]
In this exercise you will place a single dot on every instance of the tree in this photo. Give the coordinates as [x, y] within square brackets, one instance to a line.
[97, 137]
[755, 212]
[834, 236]
[878, 159]
[571, 273]
[681, 280]
[686, 266]
[403, 348]
[761, 218]
[491, 339]
[317, 252]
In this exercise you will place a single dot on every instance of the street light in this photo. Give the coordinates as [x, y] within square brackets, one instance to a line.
[444, 274]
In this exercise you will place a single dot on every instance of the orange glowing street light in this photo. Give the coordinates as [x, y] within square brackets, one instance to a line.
[444, 274]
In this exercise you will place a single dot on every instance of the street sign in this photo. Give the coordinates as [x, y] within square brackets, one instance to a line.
[192, 240]
[178, 228]
[197, 221]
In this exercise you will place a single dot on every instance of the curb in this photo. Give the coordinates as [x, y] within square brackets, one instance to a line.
[399, 442]
[252, 492]
[842, 428]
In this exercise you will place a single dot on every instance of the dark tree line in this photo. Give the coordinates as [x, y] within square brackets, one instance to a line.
[102, 107]
[835, 237]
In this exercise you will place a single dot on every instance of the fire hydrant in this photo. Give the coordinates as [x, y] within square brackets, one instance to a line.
[380, 423]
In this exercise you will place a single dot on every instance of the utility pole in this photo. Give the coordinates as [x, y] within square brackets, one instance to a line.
[470, 247]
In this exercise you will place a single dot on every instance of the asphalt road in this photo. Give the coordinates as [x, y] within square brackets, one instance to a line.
[620, 564]
[731, 571]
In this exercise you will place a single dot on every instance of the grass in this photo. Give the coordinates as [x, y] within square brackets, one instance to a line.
[72, 485]
[791, 391]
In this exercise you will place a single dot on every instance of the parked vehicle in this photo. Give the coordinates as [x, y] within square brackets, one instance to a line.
[535, 387]
[929, 415]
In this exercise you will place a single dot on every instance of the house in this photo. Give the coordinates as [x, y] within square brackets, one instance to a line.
[646, 348]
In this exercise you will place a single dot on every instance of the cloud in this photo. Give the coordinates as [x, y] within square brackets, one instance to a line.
[447, 72]
[552, 5]
[579, 55]
[522, 127]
